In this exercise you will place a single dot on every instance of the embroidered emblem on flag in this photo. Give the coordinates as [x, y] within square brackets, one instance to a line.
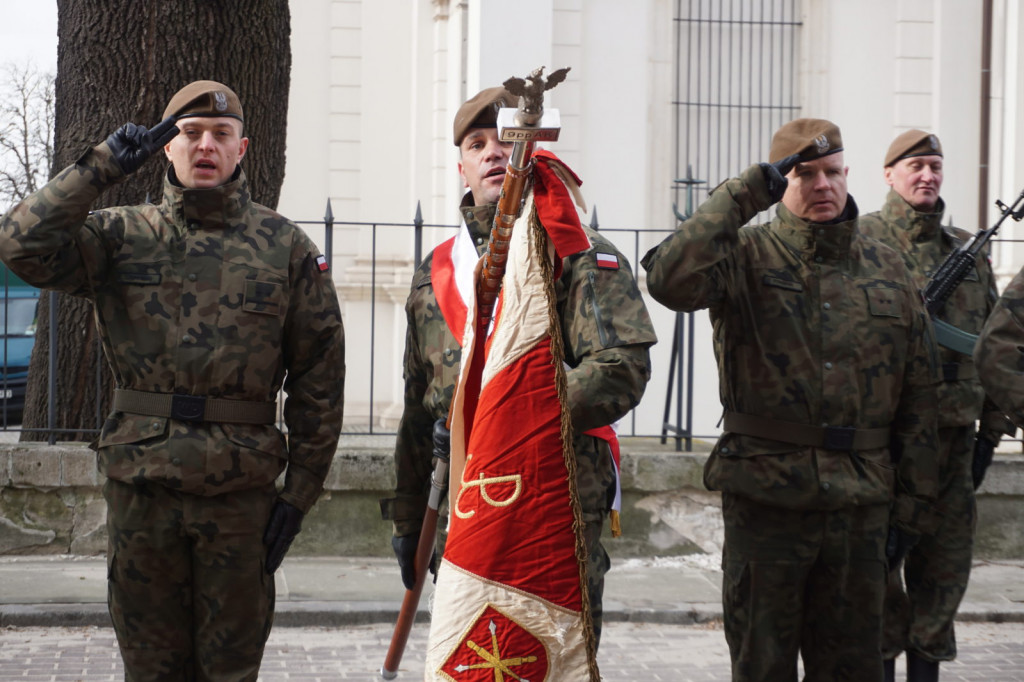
[608, 261]
[321, 264]
[496, 647]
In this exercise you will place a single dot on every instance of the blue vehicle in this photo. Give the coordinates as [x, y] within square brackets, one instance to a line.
[19, 303]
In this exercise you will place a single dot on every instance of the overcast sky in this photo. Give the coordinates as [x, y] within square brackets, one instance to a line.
[28, 33]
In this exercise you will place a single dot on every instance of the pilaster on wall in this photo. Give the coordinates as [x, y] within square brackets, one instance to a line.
[345, 107]
[914, 65]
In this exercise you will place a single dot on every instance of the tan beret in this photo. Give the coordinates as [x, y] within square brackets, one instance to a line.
[481, 111]
[204, 98]
[912, 143]
[811, 138]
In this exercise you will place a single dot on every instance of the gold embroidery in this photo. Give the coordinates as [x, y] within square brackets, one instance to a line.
[483, 482]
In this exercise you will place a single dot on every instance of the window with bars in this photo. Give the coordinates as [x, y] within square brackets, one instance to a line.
[736, 83]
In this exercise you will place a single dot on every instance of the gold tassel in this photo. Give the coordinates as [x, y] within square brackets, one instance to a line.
[616, 525]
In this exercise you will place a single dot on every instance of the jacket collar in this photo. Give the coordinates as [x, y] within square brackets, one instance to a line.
[917, 226]
[821, 242]
[479, 220]
[210, 208]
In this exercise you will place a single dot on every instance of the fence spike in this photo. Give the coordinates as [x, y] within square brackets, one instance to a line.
[329, 214]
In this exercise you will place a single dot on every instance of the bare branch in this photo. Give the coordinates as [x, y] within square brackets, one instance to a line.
[26, 134]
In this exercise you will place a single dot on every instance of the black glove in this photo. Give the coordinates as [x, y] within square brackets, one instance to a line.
[132, 144]
[285, 523]
[775, 175]
[983, 451]
[442, 438]
[405, 550]
[897, 545]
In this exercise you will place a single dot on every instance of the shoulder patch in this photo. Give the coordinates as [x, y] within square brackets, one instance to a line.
[608, 261]
[321, 264]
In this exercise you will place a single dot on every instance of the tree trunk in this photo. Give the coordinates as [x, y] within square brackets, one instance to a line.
[121, 61]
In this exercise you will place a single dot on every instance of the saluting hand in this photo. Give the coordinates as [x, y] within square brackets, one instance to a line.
[775, 175]
[132, 144]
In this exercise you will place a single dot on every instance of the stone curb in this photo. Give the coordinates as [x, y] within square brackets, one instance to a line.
[341, 614]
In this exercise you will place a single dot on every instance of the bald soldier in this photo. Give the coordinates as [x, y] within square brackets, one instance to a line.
[827, 378]
[919, 619]
[206, 303]
[605, 327]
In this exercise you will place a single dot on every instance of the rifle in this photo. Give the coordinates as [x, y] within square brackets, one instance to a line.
[525, 126]
[953, 271]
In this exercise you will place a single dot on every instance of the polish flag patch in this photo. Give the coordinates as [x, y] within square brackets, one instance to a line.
[321, 264]
[608, 261]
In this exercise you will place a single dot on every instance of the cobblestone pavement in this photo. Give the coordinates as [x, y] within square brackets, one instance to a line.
[991, 652]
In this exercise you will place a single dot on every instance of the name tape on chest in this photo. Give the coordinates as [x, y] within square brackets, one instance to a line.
[321, 264]
[608, 261]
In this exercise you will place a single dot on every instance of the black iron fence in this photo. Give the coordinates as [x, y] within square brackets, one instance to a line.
[373, 354]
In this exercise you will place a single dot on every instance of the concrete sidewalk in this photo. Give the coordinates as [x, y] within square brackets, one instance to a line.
[335, 591]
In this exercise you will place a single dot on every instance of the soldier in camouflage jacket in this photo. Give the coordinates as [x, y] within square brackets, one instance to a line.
[606, 329]
[920, 619]
[826, 369]
[207, 305]
[999, 353]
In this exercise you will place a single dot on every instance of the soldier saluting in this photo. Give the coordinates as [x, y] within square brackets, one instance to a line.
[207, 303]
[826, 371]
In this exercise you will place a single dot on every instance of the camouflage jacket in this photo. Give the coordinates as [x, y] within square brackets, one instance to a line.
[607, 333]
[207, 294]
[816, 325]
[924, 244]
[999, 353]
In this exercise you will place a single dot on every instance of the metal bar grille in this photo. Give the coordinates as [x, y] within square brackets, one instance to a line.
[736, 83]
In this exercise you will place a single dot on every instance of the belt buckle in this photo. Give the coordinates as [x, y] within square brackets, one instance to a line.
[839, 437]
[188, 408]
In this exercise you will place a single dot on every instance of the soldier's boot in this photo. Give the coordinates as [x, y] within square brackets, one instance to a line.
[889, 666]
[921, 670]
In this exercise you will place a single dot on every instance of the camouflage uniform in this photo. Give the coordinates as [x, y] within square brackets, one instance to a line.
[207, 294]
[607, 334]
[813, 325]
[998, 354]
[938, 566]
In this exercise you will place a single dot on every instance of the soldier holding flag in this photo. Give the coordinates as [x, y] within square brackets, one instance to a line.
[827, 376]
[603, 320]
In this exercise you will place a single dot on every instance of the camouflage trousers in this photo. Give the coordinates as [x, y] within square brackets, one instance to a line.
[808, 583]
[920, 617]
[187, 591]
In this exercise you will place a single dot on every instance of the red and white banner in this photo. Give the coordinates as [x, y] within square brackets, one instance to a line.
[510, 601]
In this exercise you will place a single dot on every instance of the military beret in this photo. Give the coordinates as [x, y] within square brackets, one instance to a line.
[811, 138]
[481, 111]
[204, 98]
[912, 143]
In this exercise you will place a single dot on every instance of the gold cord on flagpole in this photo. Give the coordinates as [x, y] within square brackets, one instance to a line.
[540, 245]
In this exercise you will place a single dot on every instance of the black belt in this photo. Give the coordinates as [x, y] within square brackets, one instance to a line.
[827, 437]
[194, 408]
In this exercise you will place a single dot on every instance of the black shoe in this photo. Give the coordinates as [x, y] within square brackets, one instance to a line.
[921, 670]
[889, 666]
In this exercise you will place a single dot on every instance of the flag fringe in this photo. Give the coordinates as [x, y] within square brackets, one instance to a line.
[568, 452]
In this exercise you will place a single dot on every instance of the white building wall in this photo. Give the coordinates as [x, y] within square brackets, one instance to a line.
[376, 84]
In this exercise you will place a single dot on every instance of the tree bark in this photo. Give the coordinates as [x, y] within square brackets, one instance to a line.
[121, 61]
